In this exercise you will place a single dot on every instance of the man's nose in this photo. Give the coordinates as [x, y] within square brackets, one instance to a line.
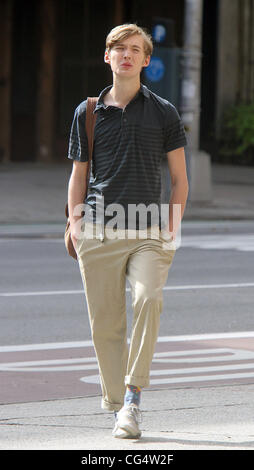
[126, 52]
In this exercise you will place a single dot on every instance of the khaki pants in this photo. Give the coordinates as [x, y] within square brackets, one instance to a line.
[105, 263]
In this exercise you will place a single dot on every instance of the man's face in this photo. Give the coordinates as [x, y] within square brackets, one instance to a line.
[127, 57]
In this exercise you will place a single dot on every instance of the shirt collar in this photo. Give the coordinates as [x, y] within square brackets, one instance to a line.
[100, 104]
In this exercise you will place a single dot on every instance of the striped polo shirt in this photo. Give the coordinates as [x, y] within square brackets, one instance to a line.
[129, 145]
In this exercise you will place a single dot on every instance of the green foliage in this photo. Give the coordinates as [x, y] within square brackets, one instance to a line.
[238, 134]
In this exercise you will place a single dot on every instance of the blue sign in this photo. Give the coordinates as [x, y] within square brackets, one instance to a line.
[155, 70]
[159, 32]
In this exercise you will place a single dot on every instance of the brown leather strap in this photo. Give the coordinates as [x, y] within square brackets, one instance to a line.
[90, 123]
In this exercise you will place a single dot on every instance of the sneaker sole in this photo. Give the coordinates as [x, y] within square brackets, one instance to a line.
[127, 433]
[120, 434]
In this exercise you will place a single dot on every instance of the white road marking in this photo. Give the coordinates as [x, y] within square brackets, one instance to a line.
[183, 287]
[236, 363]
[47, 292]
[94, 379]
[239, 242]
[216, 355]
[201, 378]
[27, 365]
[45, 346]
[161, 339]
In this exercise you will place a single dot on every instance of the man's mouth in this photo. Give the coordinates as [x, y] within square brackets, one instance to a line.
[126, 64]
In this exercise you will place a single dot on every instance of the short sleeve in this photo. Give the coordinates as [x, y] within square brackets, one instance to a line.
[174, 133]
[78, 144]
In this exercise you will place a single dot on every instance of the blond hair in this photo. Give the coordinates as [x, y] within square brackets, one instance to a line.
[124, 31]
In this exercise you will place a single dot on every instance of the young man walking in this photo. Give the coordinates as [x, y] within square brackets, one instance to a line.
[134, 129]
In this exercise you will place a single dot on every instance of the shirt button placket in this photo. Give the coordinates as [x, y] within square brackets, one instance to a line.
[124, 118]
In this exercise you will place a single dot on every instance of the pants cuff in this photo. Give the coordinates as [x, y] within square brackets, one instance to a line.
[106, 405]
[137, 381]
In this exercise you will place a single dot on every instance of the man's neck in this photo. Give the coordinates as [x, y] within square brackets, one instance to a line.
[122, 92]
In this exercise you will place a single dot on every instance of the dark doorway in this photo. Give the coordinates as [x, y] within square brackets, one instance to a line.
[208, 77]
[24, 80]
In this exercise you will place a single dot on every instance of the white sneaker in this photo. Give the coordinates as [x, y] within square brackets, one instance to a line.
[127, 423]
[120, 433]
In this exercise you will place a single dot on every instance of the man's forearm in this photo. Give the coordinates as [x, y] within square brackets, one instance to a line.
[177, 203]
[76, 196]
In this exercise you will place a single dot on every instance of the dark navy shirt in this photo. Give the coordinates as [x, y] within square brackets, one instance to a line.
[129, 145]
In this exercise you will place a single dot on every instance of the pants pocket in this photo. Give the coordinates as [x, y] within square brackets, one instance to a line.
[167, 243]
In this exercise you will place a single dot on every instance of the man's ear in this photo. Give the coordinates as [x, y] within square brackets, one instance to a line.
[107, 56]
[147, 61]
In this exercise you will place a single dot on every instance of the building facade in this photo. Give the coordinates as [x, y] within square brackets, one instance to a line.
[51, 58]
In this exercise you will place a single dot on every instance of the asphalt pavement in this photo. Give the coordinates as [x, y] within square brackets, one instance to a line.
[212, 417]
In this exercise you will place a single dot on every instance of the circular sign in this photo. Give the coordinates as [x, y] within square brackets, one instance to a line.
[159, 32]
[155, 70]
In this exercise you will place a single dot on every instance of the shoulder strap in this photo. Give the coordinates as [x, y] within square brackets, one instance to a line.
[90, 124]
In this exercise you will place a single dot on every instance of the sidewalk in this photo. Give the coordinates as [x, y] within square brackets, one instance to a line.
[37, 193]
[210, 418]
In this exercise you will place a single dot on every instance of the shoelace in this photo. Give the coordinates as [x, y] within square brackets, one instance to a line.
[131, 409]
[137, 413]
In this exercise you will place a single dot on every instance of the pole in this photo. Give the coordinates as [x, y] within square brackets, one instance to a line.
[199, 165]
